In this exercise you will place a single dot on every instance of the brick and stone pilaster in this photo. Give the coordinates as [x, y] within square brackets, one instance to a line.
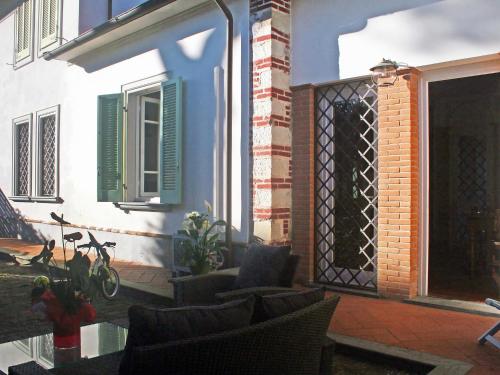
[398, 187]
[303, 180]
[271, 105]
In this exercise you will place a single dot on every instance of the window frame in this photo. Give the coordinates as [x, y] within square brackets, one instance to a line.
[15, 123]
[18, 63]
[58, 33]
[132, 92]
[140, 147]
[54, 110]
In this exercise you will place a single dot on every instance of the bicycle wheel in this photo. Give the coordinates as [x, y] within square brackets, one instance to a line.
[110, 284]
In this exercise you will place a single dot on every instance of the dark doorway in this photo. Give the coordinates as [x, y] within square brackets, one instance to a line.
[464, 223]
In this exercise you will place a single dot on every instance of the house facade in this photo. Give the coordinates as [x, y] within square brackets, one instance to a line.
[114, 113]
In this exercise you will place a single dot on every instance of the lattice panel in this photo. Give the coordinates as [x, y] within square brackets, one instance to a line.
[22, 159]
[346, 184]
[472, 180]
[48, 155]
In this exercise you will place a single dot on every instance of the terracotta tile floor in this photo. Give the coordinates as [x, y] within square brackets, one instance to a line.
[132, 272]
[445, 333]
[440, 332]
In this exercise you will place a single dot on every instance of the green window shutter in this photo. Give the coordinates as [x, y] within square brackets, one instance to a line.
[110, 148]
[171, 142]
[49, 17]
[23, 29]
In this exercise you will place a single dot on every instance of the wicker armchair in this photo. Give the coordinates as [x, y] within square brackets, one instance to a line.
[217, 287]
[293, 344]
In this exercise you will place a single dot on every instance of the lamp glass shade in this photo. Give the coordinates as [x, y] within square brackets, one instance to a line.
[384, 73]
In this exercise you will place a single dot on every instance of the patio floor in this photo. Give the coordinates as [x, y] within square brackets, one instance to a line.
[135, 275]
[444, 333]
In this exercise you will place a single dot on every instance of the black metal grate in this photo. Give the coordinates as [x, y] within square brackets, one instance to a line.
[48, 155]
[346, 184]
[22, 159]
[471, 195]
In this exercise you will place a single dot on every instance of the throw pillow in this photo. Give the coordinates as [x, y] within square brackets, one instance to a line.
[262, 265]
[154, 326]
[275, 305]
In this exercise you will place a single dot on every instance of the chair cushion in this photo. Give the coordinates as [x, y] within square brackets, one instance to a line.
[154, 326]
[288, 272]
[275, 305]
[262, 265]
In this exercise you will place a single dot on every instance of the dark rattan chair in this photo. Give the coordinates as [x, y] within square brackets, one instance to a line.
[293, 344]
[217, 287]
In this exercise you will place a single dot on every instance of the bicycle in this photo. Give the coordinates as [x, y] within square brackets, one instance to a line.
[100, 271]
[107, 277]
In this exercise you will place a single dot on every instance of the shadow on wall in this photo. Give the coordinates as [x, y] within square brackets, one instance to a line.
[198, 48]
[12, 224]
[350, 19]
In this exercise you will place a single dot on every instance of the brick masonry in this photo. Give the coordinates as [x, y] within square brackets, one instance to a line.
[303, 180]
[271, 106]
[398, 187]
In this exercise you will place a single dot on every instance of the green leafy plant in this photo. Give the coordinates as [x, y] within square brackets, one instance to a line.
[202, 250]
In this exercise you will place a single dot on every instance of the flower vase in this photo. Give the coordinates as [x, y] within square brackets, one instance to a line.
[66, 334]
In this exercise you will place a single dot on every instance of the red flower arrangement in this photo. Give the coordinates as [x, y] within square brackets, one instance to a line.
[64, 304]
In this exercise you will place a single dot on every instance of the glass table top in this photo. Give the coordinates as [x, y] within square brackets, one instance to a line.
[96, 339]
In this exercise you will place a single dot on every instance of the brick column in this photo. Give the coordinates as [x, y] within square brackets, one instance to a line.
[303, 180]
[271, 99]
[398, 187]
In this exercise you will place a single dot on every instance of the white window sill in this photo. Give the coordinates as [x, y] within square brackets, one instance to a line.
[20, 63]
[37, 199]
[143, 206]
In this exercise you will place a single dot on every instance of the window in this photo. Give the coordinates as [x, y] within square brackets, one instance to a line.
[47, 153]
[23, 33]
[21, 176]
[45, 159]
[139, 153]
[49, 27]
[149, 150]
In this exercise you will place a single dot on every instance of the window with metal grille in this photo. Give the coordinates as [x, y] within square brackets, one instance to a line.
[49, 23]
[23, 32]
[346, 184]
[47, 152]
[21, 154]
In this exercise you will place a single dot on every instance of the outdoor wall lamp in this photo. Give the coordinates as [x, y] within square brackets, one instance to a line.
[385, 72]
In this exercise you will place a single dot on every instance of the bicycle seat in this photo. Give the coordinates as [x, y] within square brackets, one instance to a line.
[72, 237]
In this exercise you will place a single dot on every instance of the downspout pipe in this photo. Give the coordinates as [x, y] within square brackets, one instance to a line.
[110, 9]
[229, 128]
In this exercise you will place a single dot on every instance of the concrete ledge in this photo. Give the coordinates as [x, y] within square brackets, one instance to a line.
[455, 305]
[438, 365]
[339, 289]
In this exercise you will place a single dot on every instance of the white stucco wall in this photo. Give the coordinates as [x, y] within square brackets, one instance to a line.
[92, 13]
[189, 46]
[120, 6]
[336, 39]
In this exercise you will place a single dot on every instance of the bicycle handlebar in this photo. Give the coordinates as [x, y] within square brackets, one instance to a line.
[93, 243]
[96, 244]
[85, 246]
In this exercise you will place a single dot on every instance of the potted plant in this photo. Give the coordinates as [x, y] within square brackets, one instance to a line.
[65, 307]
[201, 250]
[65, 301]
